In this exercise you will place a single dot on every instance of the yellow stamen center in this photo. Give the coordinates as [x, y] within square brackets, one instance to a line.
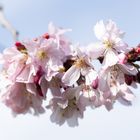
[41, 54]
[71, 104]
[24, 51]
[80, 63]
[61, 70]
[108, 44]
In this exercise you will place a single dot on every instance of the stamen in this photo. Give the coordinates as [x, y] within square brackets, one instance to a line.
[71, 104]
[108, 44]
[41, 54]
[80, 63]
[61, 70]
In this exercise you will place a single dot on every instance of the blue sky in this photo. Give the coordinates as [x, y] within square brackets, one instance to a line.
[31, 18]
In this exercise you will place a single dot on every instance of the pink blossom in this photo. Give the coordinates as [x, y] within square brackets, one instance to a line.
[67, 106]
[93, 97]
[82, 66]
[111, 43]
[51, 63]
[20, 100]
[112, 79]
[58, 34]
[45, 53]
[14, 62]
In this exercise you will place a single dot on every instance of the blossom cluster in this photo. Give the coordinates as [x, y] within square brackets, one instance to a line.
[50, 72]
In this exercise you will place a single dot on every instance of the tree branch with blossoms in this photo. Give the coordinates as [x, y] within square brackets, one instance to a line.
[52, 66]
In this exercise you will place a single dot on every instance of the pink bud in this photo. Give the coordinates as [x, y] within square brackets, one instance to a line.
[39, 90]
[46, 36]
[122, 58]
[128, 79]
[20, 46]
[95, 83]
[138, 50]
[38, 75]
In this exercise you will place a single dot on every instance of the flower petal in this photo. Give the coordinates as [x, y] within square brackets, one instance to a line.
[99, 30]
[128, 69]
[71, 75]
[126, 93]
[110, 58]
[91, 76]
[63, 103]
[103, 80]
[95, 50]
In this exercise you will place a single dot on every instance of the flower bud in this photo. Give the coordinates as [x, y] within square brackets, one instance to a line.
[95, 83]
[138, 77]
[128, 79]
[38, 76]
[46, 36]
[122, 58]
[138, 50]
[20, 47]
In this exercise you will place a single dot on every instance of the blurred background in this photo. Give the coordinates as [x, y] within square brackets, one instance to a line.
[31, 18]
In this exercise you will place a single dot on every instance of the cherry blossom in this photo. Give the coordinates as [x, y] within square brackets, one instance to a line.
[20, 100]
[67, 106]
[82, 66]
[50, 72]
[111, 43]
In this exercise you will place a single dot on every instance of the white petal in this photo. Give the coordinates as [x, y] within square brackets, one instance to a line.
[71, 75]
[73, 92]
[95, 50]
[121, 46]
[103, 80]
[85, 70]
[63, 103]
[128, 69]
[110, 58]
[79, 52]
[108, 104]
[99, 30]
[51, 28]
[126, 93]
[91, 76]
[57, 116]
[113, 29]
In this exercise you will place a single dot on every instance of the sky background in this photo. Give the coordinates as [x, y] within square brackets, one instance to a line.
[31, 18]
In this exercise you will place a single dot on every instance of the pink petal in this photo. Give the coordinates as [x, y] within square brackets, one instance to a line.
[31, 88]
[26, 75]
[44, 86]
[63, 103]
[108, 104]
